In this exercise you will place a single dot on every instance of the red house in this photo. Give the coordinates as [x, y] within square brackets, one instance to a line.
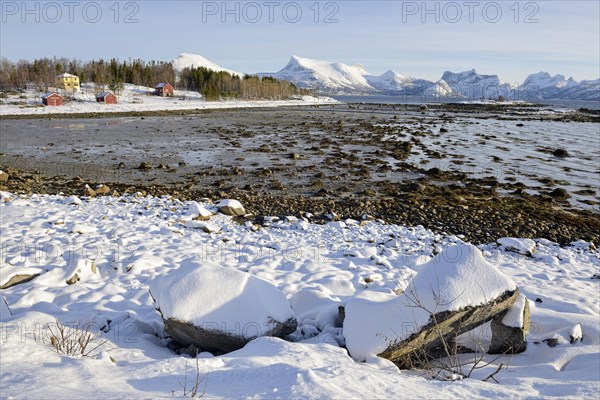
[106, 97]
[163, 89]
[52, 99]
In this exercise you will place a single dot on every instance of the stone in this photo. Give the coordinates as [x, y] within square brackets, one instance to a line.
[17, 280]
[88, 191]
[449, 325]
[80, 268]
[231, 207]
[3, 176]
[101, 189]
[560, 194]
[561, 153]
[205, 226]
[453, 293]
[145, 166]
[526, 247]
[198, 212]
[509, 329]
[220, 309]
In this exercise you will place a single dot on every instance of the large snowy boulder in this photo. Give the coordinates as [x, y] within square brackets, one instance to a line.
[454, 292]
[220, 309]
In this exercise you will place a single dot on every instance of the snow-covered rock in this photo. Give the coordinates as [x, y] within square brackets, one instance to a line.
[458, 287]
[219, 308]
[522, 246]
[509, 330]
[231, 207]
[198, 211]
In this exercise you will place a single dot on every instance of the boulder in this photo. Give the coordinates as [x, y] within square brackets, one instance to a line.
[145, 166]
[78, 268]
[88, 191]
[198, 211]
[101, 189]
[231, 207]
[205, 226]
[3, 176]
[525, 247]
[453, 293]
[510, 329]
[16, 279]
[220, 309]
[569, 334]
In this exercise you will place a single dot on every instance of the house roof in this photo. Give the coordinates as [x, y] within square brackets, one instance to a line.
[50, 94]
[161, 85]
[103, 94]
[66, 75]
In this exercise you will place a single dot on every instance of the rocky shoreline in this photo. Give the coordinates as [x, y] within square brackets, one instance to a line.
[319, 163]
[479, 214]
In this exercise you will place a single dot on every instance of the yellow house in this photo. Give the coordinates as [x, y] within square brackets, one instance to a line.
[67, 82]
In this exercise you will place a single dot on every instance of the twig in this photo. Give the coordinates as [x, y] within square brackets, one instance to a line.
[7, 307]
[491, 376]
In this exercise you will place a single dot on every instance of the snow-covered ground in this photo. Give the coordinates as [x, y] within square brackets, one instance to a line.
[137, 98]
[133, 241]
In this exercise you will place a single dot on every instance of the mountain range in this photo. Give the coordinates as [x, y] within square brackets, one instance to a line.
[338, 78]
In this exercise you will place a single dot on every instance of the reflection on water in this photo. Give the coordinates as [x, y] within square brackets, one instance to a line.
[85, 125]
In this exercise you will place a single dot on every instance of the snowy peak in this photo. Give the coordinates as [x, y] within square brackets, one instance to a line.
[189, 60]
[542, 85]
[470, 84]
[544, 80]
[325, 75]
[391, 81]
[339, 78]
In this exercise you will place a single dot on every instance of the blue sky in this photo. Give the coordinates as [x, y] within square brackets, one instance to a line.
[421, 39]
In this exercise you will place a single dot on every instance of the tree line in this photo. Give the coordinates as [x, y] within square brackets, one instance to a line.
[39, 74]
[215, 85]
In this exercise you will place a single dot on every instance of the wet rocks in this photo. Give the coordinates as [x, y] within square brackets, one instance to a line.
[560, 194]
[560, 153]
[145, 166]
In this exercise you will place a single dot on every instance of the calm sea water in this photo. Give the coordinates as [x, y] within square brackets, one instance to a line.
[380, 99]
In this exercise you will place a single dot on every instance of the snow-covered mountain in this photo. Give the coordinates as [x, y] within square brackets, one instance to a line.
[391, 81]
[542, 85]
[471, 85]
[188, 60]
[440, 88]
[338, 78]
[324, 75]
